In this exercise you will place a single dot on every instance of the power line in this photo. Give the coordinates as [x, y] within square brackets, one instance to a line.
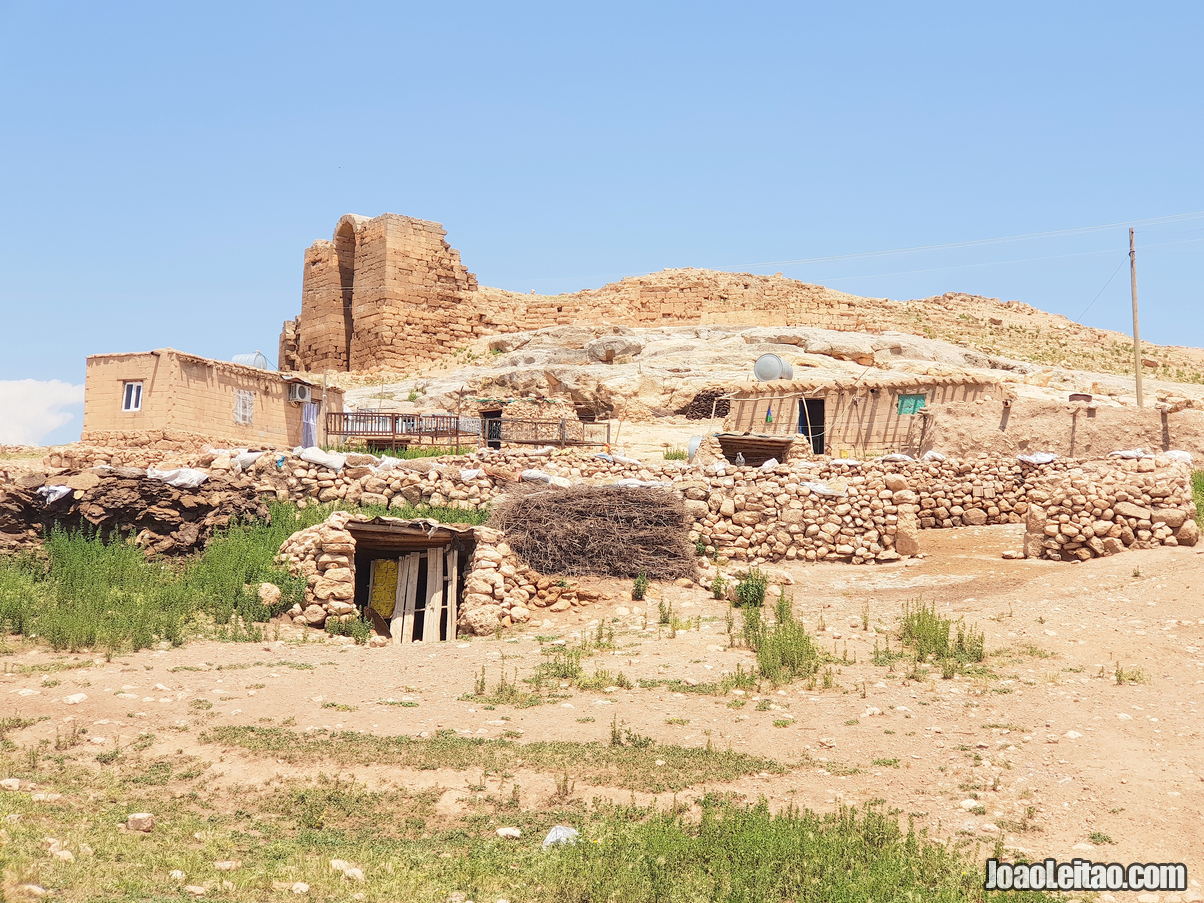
[1079, 318]
[1081, 230]
[862, 255]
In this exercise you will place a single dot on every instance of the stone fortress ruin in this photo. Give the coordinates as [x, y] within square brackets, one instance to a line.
[389, 292]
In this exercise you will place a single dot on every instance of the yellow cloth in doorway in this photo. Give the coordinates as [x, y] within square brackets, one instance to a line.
[382, 596]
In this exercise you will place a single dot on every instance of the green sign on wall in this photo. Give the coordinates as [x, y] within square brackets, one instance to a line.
[911, 404]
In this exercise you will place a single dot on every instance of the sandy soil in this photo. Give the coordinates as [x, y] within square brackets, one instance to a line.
[1052, 747]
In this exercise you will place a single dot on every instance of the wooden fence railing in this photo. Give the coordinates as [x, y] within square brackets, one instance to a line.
[404, 429]
[401, 430]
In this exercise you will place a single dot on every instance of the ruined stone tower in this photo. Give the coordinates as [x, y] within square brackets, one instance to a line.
[390, 294]
[387, 292]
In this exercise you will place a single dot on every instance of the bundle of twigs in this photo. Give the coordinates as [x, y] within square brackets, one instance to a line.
[604, 531]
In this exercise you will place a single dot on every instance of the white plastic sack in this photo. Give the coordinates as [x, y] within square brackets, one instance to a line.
[181, 478]
[1129, 453]
[468, 474]
[329, 460]
[387, 463]
[535, 476]
[561, 834]
[632, 483]
[625, 460]
[825, 490]
[718, 469]
[1038, 458]
[932, 455]
[897, 456]
[770, 464]
[1176, 455]
[51, 494]
[847, 462]
[246, 460]
[561, 482]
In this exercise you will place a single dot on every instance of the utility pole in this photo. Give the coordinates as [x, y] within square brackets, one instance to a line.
[1136, 333]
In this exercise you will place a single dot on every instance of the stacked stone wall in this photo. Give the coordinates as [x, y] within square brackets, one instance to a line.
[1092, 510]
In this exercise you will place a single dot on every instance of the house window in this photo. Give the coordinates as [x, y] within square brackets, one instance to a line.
[131, 396]
[912, 404]
[244, 405]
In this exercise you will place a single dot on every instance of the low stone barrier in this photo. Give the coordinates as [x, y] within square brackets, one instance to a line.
[1101, 508]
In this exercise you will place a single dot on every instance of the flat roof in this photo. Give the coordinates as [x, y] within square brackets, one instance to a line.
[225, 365]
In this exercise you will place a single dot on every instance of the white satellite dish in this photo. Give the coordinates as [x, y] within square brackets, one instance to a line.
[770, 366]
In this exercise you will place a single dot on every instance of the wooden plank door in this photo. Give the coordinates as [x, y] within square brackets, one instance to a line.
[451, 608]
[402, 625]
[433, 613]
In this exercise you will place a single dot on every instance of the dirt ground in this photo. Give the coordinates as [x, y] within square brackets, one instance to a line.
[1047, 748]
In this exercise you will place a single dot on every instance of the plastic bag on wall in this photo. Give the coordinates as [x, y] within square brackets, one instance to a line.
[932, 455]
[244, 461]
[1176, 455]
[51, 494]
[631, 483]
[1038, 458]
[1130, 454]
[897, 456]
[181, 478]
[329, 460]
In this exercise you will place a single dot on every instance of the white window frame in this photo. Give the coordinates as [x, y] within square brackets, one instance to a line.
[244, 406]
[131, 395]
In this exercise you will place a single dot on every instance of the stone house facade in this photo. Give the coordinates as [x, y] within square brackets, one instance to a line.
[169, 398]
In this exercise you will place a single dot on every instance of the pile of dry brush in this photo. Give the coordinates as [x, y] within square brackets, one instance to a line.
[604, 531]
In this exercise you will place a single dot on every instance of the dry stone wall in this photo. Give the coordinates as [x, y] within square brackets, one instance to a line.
[1094, 509]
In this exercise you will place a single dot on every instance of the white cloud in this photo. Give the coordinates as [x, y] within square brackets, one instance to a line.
[32, 409]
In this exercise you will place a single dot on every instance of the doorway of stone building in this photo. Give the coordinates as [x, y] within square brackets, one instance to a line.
[413, 596]
[491, 425]
[811, 422]
[407, 576]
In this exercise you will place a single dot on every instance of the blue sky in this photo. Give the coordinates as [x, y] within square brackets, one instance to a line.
[165, 165]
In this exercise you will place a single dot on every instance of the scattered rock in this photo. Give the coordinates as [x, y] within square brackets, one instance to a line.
[140, 821]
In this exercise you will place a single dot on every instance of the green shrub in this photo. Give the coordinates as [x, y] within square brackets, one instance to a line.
[639, 588]
[785, 651]
[750, 588]
[1197, 489]
[357, 628]
[932, 638]
[676, 454]
[718, 587]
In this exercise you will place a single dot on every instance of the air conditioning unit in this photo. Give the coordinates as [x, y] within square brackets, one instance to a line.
[299, 392]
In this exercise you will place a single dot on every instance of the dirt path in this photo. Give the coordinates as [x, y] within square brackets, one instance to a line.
[1060, 758]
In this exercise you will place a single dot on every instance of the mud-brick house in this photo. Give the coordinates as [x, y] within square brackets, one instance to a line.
[173, 398]
[848, 416]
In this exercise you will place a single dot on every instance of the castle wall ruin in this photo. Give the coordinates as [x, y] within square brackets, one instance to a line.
[388, 293]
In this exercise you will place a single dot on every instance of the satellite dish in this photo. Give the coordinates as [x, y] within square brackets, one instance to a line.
[770, 366]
